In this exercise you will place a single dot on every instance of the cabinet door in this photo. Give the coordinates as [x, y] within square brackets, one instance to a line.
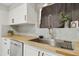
[0, 50]
[5, 51]
[11, 17]
[21, 12]
[44, 16]
[16, 48]
[5, 47]
[1, 47]
[50, 16]
[30, 51]
[75, 11]
[31, 14]
[68, 12]
[18, 14]
[56, 18]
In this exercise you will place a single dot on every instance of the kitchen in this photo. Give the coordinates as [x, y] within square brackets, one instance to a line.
[39, 29]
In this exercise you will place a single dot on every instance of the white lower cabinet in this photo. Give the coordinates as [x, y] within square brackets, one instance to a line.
[30, 51]
[45, 53]
[0, 47]
[34, 51]
[11, 47]
[16, 48]
[0, 50]
[5, 47]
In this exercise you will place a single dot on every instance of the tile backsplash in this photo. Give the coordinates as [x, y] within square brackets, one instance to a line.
[59, 33]
[67, 33]
[42, 31]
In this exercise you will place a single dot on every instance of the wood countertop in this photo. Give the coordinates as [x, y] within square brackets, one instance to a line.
[21, 38]
[26, 40]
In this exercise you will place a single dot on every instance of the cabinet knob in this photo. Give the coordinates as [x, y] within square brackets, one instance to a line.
[39, 53]
[5, 43]
[25, 17]
[12, 20]
[42, 54]
[8, 51]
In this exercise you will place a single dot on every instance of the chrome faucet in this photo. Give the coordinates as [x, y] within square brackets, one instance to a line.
[50, 28]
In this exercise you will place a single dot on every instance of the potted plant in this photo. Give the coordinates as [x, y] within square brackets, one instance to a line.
[10, 33]
[65, 19]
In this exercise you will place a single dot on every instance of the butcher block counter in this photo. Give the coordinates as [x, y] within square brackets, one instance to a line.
[26, 40]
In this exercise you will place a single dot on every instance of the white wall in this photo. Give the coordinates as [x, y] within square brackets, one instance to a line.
[3, 16]
[3, 21]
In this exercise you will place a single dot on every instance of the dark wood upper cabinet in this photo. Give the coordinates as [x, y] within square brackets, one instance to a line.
[75, 11]
[44, 17]
[69, 9]
[60, 7]
[55, 19]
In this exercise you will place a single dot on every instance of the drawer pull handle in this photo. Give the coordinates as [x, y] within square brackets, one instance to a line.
[25, 17]
[8, 51]
[42, 54]
[12, 20]
[39, 53]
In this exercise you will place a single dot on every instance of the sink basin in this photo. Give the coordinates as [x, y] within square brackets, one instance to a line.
[40, 41]
[49, 42]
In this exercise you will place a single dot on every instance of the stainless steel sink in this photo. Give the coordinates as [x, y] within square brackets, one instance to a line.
[39, 41]
[49, 42]
[55, 43]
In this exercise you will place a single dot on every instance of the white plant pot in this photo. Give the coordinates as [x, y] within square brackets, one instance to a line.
[66, 24]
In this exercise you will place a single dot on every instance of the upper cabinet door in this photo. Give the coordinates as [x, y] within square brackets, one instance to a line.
[45, 15]
[30, 50]
[17, 14]
[31, 13]
[50, 16]
[56, 19]
[68, 10]
[71, 10]
[23, 13]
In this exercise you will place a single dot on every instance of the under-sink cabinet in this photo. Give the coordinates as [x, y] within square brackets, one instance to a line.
[34, 51]
[30, 51]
